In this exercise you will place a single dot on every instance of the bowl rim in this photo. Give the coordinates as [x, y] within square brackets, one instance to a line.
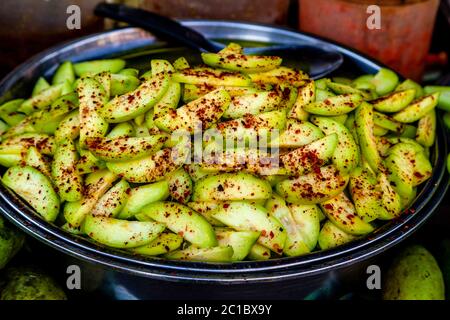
[388, 235]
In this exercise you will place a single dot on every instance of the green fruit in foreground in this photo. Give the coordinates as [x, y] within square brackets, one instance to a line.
[27, 284]
[414, 275]
[11, 241]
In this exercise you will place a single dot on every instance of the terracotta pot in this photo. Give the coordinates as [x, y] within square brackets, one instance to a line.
[402, 42]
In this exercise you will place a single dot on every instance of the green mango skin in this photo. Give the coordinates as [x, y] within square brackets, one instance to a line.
[11, 242]
[214, 254]
[414, 275]
[29, 284]
[444, 262]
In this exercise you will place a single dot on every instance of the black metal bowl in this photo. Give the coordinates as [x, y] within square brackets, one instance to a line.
[136, 46]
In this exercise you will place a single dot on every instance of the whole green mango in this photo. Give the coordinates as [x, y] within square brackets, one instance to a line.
[444, 262]
[11, 240]
[30, 284]
[414, 275]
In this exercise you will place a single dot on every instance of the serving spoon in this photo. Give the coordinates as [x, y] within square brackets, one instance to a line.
[318, 60]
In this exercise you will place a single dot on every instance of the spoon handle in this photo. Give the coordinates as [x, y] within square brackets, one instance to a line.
[160, 25]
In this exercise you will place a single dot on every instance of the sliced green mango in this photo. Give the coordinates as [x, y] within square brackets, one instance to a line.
[121, 233]
[231, 186]
[195, 171]
[426, 129]
[295, 244]
[385, 81]
[401, 171]
[364, 82]
[164, 243]
[311, 156]
[216, 254]
[307, 218]
[35, 188]
[183, 221]
[395, 101]
[297, 134]
[444, 95]
[113, 201]
[331, 236]
[341, 212]
[200, 113]
[88, 162]
[181, 63]
[138, 197]
[64, 173]
[40, 85]
[122, 84]
[122, 130]
[242, 216]
[364, 193]
[390, 199]
[253, 128]
[240, 241]
[409, 131]
[341, 119]
[43, 142]
[315, 187]
[417, 109]
[129, 72]
[69, 127]
[213, 77]
[386, 122]
[232, 47]
[10, 159]
[97, 66]
[422, 168]
[410, 84]
[258, 253]
[41, 100]
[252, 103]
[96, 185]
[48, 119]
[149, 169]
[288, 95]
[169, 101]
[414, 275]
[128, 106]
[335, 106]
[36, 160]
[65, 72]
[343, 88]
[241, 62]
[180, 185]
[8, 112]
[346, 154]
[92, 97]
[305, 95]
[24, 126]
[367, 141]
[323, 94]
[124, 149]
[206, 209]
[280, 75]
